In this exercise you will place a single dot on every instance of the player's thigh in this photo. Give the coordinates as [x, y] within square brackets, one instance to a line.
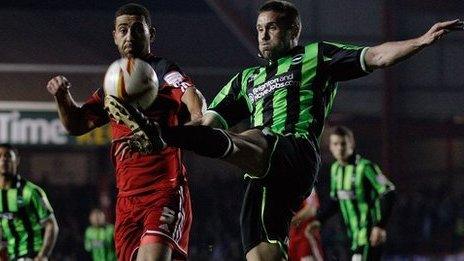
[265, 251]
[127, 231]
[154, 251]
[252, 151]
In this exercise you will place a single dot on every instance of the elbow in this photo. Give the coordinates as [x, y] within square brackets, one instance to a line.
[380, 61]
[375, 59]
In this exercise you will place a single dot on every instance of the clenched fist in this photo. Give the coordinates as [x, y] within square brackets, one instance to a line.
[58, 85]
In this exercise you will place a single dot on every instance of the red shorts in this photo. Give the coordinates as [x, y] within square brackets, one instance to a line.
[301, 248]
[139, 215]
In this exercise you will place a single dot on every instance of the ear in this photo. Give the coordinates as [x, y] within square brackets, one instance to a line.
[152, 34]
[18, 159]
[114, 38]
[295, 32]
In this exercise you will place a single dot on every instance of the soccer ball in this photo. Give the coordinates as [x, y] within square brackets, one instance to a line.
[132, 80]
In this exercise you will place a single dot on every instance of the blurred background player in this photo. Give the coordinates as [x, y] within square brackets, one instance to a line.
[288, 100]
[305, 244]
[364, 195]
[27, 220]
[153, 216]
[99, 237]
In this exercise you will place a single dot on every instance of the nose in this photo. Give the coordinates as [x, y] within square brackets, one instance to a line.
[130, 34]
[264, 35]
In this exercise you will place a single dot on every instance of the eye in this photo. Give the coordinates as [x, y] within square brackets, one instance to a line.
[122, 30]
[138, 28]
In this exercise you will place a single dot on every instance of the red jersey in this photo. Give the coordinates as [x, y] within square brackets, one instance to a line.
[136, 172]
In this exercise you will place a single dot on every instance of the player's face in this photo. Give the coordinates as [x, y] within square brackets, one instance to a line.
[341, 147]
[93, 218]
[132, 36]
[101, 219]
[8, 161]
[274, 37]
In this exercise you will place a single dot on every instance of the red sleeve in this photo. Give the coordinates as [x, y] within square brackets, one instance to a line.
[93, 108]
[178, 80]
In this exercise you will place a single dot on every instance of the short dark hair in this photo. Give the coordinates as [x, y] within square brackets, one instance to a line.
[287, 9]
[342, 131]
[10, 147]
[134, 9]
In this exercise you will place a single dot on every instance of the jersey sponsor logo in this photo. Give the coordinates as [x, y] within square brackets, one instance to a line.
[345, 194]
[97, 243]
[7, 215]
[269, 87]
[297, 59]
[177, 80]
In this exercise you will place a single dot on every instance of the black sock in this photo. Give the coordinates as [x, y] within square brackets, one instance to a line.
[203, 140]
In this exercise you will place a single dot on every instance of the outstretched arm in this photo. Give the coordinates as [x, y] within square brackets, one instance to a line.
[196, 104]
[390, 53]
[73, 117]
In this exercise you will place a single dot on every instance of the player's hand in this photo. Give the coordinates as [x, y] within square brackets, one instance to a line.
[195, 119]
[301, 216]
[311, 227]
[439, 30]
[378, 236]
[58, 85]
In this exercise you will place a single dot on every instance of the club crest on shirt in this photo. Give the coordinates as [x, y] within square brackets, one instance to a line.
[297, 59]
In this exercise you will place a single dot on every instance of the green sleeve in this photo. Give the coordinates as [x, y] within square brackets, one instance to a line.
[230, 104]
[110, 232]
[41, 204]
[377, 180]
[88, 240]
[343, 61]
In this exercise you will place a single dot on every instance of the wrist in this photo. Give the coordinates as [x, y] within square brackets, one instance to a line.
[62, 94]
[420, 42]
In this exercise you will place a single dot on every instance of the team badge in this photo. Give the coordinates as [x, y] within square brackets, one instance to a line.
[297, 59]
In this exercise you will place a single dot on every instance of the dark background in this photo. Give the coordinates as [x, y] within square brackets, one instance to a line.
[408, 119]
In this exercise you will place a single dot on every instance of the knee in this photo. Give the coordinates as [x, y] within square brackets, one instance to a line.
[265, 251]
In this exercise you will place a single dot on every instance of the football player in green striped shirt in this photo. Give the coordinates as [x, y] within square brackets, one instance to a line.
[364, 195]
[27, 220]
[287, 100]
[99, 237]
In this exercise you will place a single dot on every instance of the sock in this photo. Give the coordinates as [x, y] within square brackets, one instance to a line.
[203, 140]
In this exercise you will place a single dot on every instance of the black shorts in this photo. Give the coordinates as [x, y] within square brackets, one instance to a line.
[367, 252]
[271, 201]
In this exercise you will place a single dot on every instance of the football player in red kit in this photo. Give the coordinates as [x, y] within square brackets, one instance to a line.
[153, 214]
[305, 244]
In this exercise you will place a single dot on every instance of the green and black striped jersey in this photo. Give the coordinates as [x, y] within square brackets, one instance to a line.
[358, 187]
[23, 209]
[293, 94]
[99, 241]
